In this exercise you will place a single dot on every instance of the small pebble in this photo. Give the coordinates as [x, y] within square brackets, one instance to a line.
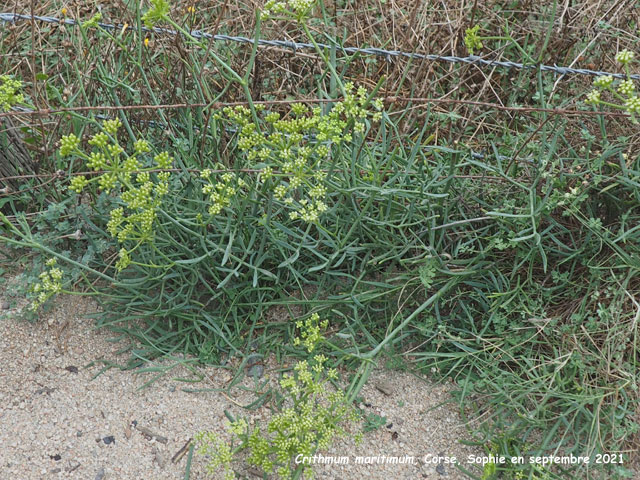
[109, 439]
[100, 474]
[253, 359]
[6, 306]
[440, 469]
[384, 386]
[256, 371]
[159, 457]
[255, 366]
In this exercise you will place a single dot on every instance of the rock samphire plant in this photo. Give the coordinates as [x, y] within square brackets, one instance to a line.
[313, 414]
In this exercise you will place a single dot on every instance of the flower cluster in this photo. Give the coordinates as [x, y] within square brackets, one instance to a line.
[50, 284]
[626, 87]
[158, 12]
[624, 92]
[140, 189]
[9, 95]
[68, 144]
[471, 39]
[221, 189]
[310, 332]
[92, 22]
[142, 199]
[296, 9]
[593, 97]
[604, 81]
[625, 57]
[293, 151]
[312, 416]
[632, 104]
[78, 183]
[219, 453]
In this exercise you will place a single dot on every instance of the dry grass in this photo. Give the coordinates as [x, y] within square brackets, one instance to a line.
[584, 34]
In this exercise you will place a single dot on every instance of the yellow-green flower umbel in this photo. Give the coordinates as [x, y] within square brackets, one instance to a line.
[130, 177]
[9, 95]
[49, 284]
[471, 39]
[293, 151]
[157, 13]
[313, 414]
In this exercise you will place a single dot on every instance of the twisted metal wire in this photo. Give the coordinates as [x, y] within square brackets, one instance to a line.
[471, 59]
[388, 54]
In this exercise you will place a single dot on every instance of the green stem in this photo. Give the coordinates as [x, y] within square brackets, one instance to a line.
[420, 309]
[187, 34]
[324, 58]
[38, 246]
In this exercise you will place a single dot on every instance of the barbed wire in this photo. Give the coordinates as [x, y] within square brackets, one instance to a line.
[388, 54]
[472, 59]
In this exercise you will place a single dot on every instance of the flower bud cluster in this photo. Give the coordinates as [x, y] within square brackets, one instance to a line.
[472, 40]
[293, 151]
[221, 189]
[624, 92]
[139, 189]
[312, 416]
[9, 95]
[92, 22]
[68, 144]
[219, 452]
[310, 332]
[295, 9]
[49, 284]
[158, 12]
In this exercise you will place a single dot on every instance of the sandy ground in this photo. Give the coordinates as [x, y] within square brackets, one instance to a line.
[58, 421]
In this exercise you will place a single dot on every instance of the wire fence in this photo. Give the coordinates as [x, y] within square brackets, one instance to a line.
[471, 59]
[294, 47]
